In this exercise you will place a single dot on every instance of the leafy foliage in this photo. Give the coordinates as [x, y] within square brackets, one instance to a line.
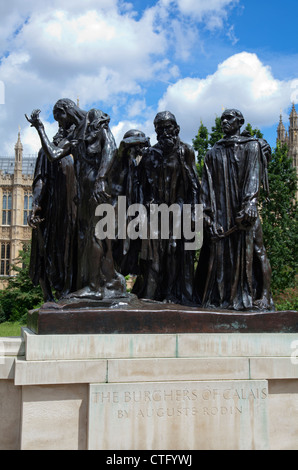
[254, 132]
[216, 132]
[279, 214]
[201, 145]
[287, 299]
[203, 142]
[20, 294]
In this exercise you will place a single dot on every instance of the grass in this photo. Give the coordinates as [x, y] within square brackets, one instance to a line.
[10, 329]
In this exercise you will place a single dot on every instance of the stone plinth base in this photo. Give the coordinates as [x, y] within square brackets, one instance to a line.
[175, 391]
[155, 318]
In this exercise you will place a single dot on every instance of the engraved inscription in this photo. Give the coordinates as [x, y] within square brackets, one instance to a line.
[162, 403]
[179, 415]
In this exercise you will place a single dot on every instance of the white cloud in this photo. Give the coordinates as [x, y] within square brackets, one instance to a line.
[101, 52]
[15, 13]
[212, 12]
[242, 81]
[72, 43]
[231, 35]
[136, 108]
[95, 50]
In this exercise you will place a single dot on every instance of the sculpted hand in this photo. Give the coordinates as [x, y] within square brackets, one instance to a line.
[34, 218]
[34, 119]
[100, 194]
[213, 229]
[216, 230]
[247, 217]
[251, 214]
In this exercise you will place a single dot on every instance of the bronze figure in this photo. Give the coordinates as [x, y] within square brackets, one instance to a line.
[167, 175]
[233, 270]
[53, 219]
[87, 137]
[82, 169]
[126, 184]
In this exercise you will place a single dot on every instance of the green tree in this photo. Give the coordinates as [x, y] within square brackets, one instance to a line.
[279, 215]
[254, 132]
[201, 145]
[20, 294]
[216, 132]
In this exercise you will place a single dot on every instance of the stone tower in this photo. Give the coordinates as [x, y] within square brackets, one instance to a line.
[290, 138]
[16, 177]
[17, 196]
[293, 136]
[282, 135]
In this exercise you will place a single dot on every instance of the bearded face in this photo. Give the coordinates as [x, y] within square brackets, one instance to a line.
[167, 134]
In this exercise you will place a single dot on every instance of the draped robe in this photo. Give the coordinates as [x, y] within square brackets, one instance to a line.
[94, 152]
[167, 269]
[53, 241]
[233, 271]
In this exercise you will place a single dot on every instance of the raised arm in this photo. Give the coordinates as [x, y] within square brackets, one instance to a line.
[52, 151]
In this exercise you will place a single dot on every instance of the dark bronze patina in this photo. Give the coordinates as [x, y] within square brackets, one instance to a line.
[167, 175]
[229, 291]
[87, 137]
[233, 270]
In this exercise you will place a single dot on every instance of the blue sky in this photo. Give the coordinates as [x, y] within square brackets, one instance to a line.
[135, 58]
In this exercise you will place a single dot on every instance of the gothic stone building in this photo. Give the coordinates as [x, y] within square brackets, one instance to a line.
[16, 177]
[290, 137]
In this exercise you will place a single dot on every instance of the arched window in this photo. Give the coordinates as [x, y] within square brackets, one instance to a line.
[5, 259]
[27, 206]
[6, 208]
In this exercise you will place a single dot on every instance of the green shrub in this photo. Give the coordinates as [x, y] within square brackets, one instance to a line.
[20, 294]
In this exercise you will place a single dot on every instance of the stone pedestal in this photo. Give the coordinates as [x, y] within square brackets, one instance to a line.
[135, 316]
[178, 391]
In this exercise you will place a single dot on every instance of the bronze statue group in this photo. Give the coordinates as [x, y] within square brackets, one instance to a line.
[82, 168]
